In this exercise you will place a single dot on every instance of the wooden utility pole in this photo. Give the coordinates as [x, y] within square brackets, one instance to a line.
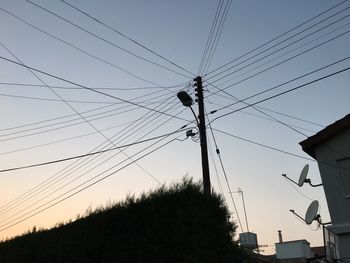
[203, 136]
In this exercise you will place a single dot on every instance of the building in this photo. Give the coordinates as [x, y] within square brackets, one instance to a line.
[331, 149]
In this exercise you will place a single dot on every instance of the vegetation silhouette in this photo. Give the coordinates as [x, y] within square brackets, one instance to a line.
[170, 224]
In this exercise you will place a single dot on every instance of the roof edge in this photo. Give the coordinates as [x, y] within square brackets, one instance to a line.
[310, 144]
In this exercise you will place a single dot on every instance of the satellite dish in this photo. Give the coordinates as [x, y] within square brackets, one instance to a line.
[311, 213]
[303, 175]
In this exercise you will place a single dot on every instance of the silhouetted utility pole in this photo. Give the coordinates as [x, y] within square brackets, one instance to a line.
[203, 136]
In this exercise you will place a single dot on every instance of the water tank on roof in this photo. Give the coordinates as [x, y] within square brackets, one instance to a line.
[248, 240]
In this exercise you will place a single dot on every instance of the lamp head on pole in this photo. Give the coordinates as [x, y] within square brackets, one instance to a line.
[185, 98]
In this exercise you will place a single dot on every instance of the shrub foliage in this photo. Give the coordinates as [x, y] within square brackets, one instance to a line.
[171, 224]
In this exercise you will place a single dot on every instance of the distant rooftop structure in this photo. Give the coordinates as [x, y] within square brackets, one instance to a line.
[249, 240]
[296, 249]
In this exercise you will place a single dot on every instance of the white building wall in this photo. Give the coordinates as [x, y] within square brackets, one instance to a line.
[332, 158]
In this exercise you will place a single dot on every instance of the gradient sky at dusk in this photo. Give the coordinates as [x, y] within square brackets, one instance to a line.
[37, 125]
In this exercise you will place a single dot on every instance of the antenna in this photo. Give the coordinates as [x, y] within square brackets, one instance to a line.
[302, 178]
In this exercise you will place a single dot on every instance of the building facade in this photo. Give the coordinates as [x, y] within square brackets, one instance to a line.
[331, 149]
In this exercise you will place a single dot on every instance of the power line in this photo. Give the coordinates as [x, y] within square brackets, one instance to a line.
[53, 179]
[76, 190]
[77, 112]
[273, 66]
[217, 35]
[79, 49]
[264, 113]
[276, 149]
[264, 145]
[85, 87]
[284, 92]
[54, 128]
[105, 40]
[84, 112]
[76, 165]
[125, 36]
[105, 88]
[279, 36]
[271, 53]
[210, 37]
[63, 140]
[225, 175]
[70, 101]
[87, 154]
[214, 35]
[269, 110]
[215, 168]
[266, 118]
[45, 183]
[288, 52]
[284, 83]
[293, 117]
[108, 139]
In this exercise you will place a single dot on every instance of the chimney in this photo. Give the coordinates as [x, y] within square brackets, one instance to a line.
[280, 240]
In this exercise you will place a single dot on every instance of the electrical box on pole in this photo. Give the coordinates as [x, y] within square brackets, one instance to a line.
[203, 136]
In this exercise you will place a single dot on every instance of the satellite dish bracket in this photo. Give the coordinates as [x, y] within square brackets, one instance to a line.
[284, 175]
[313, 185]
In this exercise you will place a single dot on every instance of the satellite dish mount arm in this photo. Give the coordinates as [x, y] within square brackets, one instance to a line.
[284, 175]
[291, 210]
[313, 185]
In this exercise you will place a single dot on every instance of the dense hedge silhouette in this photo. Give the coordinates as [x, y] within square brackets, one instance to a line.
[171, 224]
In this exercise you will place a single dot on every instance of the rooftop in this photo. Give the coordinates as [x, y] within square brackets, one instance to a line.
[324, 135]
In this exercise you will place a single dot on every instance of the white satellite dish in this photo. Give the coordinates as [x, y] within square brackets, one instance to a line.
[303, 175]
[311, 213]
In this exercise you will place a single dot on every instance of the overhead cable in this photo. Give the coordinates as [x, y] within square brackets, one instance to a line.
[78, 164]
[74, 115]
[72, 192]
[279, 36]
[284, 92]
[97, 88]
[210, 37]
[288, 59]
[87, 154]
[263, 145]
[85, 87]
[105, 40]
[282, 84]
[63, 174]
[287, 53]
[125, 36]
[79, 49]
[271, 53]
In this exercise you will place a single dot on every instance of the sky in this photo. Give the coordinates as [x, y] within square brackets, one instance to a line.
[111, 79]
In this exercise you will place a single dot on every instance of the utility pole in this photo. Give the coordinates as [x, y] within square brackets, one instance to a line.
[202, 135]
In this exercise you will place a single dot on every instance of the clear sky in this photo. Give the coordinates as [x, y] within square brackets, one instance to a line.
[128, 81]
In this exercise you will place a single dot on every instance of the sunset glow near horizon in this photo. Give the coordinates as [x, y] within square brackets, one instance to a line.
[102, 86]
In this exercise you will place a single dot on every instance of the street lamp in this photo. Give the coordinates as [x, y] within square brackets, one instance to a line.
[187, 101]
[185, 98]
